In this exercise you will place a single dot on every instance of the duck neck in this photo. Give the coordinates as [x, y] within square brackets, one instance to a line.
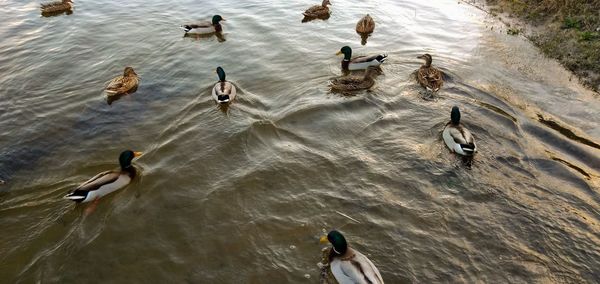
[345, 65]
[130, 170]
[427, 63]
[218, 27]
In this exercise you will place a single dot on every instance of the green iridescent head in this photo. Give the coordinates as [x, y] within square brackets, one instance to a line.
[337, 240]
[216, 19]
[347, 51]
[126, 157]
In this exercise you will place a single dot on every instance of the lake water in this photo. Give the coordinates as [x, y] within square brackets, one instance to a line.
[242, 195]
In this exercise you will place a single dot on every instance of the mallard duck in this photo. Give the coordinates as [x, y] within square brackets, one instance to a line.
[223, 91]
[429, 77]
[106, 182]
[318, 11]
[457, 137]
[353, 82]
[348, 265]
[205, 27]
[57, 7]
[124, 84]
[366, 25]
[359, 62]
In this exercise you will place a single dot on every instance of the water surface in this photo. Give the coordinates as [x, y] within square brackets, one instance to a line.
[243, 195]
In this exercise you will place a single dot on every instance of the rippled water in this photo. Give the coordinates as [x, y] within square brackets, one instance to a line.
[242, 195]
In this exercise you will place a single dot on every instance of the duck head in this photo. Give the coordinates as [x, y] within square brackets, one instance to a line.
[126, 157]
[325, 3]
[216, 19]
[337, 240]
[455, 115]
[129, 72]
[347, 51]
[427, 59]
[221, 73]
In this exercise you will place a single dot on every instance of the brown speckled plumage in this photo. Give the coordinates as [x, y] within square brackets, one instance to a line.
[57, 7]
[365, 25]
[318, 11]
[123, 84]
[355, 83]
[429, 77]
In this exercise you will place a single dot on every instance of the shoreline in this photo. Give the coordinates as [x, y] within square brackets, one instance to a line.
[569, 33]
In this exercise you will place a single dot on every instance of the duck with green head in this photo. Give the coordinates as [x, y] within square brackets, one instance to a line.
[224, 91]
[106, 182]
[359, 62]
[205, 27]
[348, 265]
[458, 138]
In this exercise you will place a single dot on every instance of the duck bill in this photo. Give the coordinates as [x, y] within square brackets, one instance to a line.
[137, 154]
[338, 53]
[420, 57]
[323, 240]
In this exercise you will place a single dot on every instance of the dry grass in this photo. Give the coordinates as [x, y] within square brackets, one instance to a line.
[568, 30]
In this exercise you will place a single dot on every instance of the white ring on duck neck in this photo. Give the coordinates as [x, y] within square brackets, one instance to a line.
[335, 250]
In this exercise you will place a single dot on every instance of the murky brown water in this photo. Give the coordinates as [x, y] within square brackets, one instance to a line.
[242, 196]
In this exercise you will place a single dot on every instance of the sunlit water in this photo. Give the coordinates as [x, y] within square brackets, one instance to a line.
[241, 196]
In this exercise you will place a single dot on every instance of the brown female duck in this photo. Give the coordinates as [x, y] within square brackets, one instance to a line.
[318, 11]
[57, 7]
[354, 83]
[124, 84]
[429, 77]
[366, 25]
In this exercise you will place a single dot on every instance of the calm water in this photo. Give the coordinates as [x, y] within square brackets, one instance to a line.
[242, 196]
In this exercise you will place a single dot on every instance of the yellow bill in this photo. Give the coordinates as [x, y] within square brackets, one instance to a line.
[323, 240]
[137, 154]
[338, 53]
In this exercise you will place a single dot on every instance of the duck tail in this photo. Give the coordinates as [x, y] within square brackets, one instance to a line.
[223, 98]
[75, 197]
[469, 149]
[186, 28]
[382, 57]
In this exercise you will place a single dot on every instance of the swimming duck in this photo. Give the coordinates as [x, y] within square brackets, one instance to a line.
[354, 82]
[360, 62]
[205, 27]
[124, 84]
[457, 137]
[57, 7]
[366, 25]
[348, 265]
[318, 11]
[106, 182]
[429, 77]
[223, 92]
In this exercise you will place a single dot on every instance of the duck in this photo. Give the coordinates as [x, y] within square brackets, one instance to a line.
[429, 77]
[360, 62]
[348, 265]
[458, 138]
[106, 182]
[354, 83]
[124, 84]
[57, 7]
[223, 91]
[205, 27]
[318, 11]
[366, 25]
